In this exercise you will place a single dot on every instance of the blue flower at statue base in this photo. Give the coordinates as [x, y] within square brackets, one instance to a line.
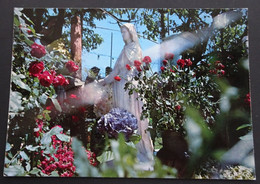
[117, 121]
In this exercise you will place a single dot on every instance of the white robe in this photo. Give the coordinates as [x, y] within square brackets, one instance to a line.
[122, 99]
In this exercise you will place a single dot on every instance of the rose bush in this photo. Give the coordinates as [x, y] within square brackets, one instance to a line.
[166, 95]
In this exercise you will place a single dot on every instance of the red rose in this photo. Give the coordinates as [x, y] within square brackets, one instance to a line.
[162, 68]
[137, 63]
[74, 118]
[177, 107]
[53, 73]
[165, 62]
[147, 60]
[188, 62]
[37, 50]
[117, 78]
[181, 63]
[35, 68]
[139, 68]
[71, 66]
[172, 70]
[59, 80]
[128, 67]
[169, 56]
[45, 79]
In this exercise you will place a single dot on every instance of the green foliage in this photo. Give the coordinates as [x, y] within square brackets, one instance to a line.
[125, 163]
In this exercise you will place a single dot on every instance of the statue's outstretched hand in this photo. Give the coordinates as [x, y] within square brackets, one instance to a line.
[101, 82]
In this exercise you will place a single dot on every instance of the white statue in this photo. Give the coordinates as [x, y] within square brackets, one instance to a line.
[122, 99]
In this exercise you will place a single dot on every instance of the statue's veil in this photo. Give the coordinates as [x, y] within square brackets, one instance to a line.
[132, 31]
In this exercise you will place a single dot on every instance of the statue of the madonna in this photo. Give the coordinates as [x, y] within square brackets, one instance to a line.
[121, 99]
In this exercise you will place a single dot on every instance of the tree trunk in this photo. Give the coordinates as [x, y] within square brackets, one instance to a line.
[76, 42]
[163, 27]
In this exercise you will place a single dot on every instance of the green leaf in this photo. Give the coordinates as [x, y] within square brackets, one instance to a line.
[35, 170]
[16, 21]
[15, 101]
[28, 166]
[244, 126]
[21, 84]
[16, 170]
[46, 138]
[28, 19]
[83, 168]
[135, 138]
[29, 42]
[24, 155]
[218, 154]
[54, 173]
[7, 161]
[56, 104]
[105, 156]
[31, 148]
[8, 147]
[43, 98]
[63, 137]
[17, 11]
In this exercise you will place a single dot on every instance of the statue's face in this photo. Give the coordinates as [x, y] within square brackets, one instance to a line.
[125, 34]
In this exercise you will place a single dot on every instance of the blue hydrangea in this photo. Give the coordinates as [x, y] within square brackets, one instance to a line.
[117, 121]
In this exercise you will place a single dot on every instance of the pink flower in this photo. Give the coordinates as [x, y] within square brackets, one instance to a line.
[35, 68]
[165, 62]
[117, 78]
[169, 56]
[45, 79]
[128, 67]
[37, 50]
[71, 66]
[147, 60]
